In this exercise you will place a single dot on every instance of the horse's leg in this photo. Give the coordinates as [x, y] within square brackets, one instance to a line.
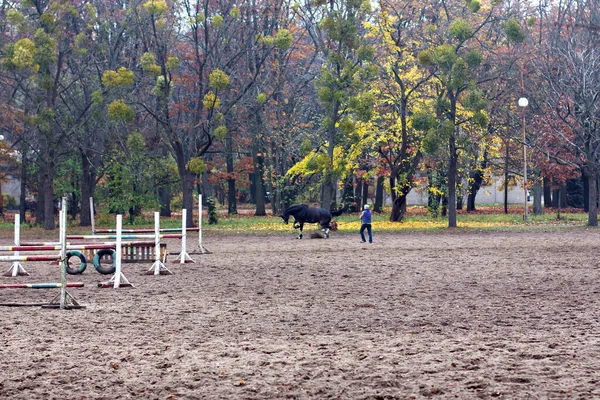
[301, 227]
[325, 229]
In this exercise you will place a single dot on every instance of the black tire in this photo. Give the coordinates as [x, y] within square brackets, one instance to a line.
[82, 265]
[105, 270]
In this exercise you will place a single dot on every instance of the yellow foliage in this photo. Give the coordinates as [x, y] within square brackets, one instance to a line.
[221, 132]
[217, 21]
[196, 165]
[120, 78]
[218, 79]
[155, 6]
[211, 100]
[118, 110]
[24, 53]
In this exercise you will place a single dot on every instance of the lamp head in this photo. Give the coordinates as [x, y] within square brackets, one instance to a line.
[523, 102]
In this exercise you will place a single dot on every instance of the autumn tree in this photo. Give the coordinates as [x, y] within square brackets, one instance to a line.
[42, 40]
[571, 68]
[290, 104]
[454, 57]
[402, 115]
[337, 31]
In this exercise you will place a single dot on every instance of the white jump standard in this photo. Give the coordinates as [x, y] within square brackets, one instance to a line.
[200, 249]
[158, 268]
[118, 279]
[63, 300]
[16, 269]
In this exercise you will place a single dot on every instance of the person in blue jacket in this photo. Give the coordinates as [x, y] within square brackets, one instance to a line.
[365, 218]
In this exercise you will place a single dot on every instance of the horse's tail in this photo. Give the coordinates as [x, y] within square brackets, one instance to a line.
[339, 212]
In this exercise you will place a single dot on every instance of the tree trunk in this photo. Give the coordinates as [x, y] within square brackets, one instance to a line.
[231, 191]
[459, 194]
[452, 169]
[329, 181]
[547, 192]
[88, 181]
[328, 191]
[259, 183]
[48, 194]
[23, 196]
[378, 206]
[358, 195]
[593, 199]
[471, 201]
[537, 194]
[258, 161]
[563, 196]
[365, 193]
[506, 180]
[398, 208]
[39, 209]
[348, 193]
[474, 186]
[164, 193]
[187, 182]
[206, 188]
[586, 193]
[557, 196]
[398, 199]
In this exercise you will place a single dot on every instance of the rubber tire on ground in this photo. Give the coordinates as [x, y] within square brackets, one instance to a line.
[82, 267]
[105, 270]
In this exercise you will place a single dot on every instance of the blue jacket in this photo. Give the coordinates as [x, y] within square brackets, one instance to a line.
[365, 217]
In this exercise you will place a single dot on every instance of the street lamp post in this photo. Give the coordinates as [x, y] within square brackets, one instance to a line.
[523, 102]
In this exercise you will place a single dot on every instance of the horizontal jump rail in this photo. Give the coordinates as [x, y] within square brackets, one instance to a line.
[123, 244]
[89, 237]
[39, 285]
[30, 258]
[143, 230]
[73, 246]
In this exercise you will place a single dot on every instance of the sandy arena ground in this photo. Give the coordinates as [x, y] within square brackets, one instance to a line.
[442, 315]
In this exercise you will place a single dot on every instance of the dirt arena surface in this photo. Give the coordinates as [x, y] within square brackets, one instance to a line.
[438, 315]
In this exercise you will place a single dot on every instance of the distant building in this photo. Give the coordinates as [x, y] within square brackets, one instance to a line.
[493, 194]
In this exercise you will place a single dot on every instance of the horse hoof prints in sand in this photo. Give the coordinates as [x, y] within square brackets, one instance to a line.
[304, 214]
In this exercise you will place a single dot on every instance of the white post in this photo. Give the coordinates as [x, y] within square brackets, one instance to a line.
[200, 224]
[158, 267]
[157, 261]
[118, 252]
[184, 256]
[63, 252]
[16, 269]
[183, 235]
[92, 215]
[201, 249]
[118, 279]
[17, 232]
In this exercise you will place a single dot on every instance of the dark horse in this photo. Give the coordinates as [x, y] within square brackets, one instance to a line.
[305, 214]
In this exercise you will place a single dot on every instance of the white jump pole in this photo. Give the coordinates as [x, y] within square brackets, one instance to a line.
[184, 257]
[118, 279]
[201, 249]
[200, 223]
[16, 269]
[118, 252]
[63, 253]
[158, 267]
